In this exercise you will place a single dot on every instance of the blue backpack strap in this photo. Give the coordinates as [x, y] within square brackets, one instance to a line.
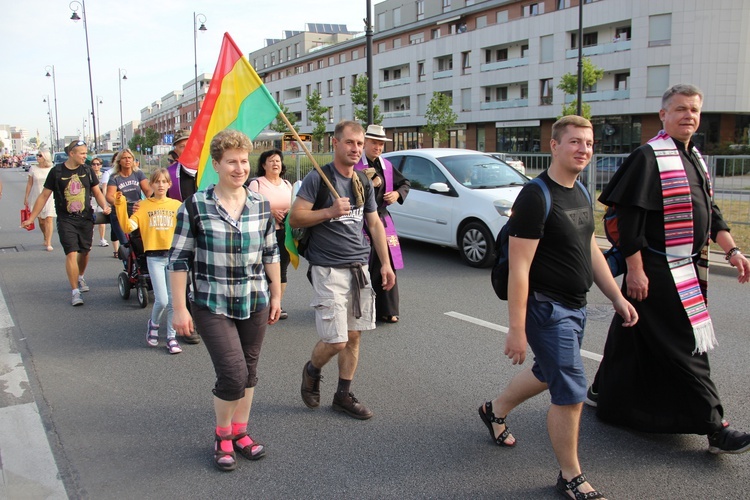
[547, 198]
[585, 191]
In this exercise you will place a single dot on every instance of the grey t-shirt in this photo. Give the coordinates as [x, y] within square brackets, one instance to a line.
[341, 240]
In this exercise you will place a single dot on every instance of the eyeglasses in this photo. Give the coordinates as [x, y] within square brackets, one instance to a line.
[95, 163]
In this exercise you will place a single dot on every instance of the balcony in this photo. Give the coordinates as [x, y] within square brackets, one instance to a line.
[397, 114]
[510, 103]
[604, 95]
[510, 63]
[604, 48]
[442, 74]
[393, 83]
[293, 100]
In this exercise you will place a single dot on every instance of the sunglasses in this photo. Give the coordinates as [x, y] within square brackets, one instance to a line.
[79, 143]
[38, 156]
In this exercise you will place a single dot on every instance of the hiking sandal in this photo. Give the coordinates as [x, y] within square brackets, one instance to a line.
[219, 454]
[488, 417]
[253, 451]
[564, 487]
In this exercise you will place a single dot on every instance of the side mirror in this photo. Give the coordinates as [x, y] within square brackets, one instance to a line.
[439, 187]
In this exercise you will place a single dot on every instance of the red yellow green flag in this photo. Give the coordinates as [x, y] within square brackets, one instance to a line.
[236, 99]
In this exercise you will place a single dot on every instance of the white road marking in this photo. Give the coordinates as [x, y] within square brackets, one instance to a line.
[492, 326]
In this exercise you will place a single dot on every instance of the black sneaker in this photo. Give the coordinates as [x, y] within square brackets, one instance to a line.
[592, 398]
[310, 389]
[348, 404]
[728, 440]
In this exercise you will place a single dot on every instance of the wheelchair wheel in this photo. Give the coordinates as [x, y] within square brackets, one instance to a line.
[142, 291]
[123, 284]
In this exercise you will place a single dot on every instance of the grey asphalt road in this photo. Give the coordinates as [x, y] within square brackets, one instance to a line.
[127, 421]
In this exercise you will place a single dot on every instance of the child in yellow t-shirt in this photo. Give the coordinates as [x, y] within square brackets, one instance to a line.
[156, 218]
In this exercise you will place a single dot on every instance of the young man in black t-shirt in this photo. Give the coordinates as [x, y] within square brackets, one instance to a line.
[73, 183]
[552, 266]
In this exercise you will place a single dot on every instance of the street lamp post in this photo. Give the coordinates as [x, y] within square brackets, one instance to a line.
[368, 37]
[51, 127]
[57, 123]
[121, 75]
[98, 116]
[579, 90]
[76, 17]
[196, 19]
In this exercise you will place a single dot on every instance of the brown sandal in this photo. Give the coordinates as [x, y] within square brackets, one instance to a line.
[219, 454]
[253, 451]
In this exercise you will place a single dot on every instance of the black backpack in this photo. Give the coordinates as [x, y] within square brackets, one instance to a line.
[500, 270]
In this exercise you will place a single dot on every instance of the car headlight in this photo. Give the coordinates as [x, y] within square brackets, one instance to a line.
[503, 207]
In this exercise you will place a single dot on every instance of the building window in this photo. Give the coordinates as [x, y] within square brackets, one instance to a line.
[622, 34]
[590, 39]
[355, 55]
[465, 99]
[381, 22]
[342, 85]
[381, 47]
[659, 30]
[309, 66]
[416, 38]
[481, 22]
[298, 70]
[330, 88]
[330, 115]
[420, 10]
[501, 93]
[524, 90]
[525, 50]
[396, 43]
[523, 139]
[317, 87]
[296, 50]
[546, 49]
[420, 71]
[308, 90]
[342, 57]
[435, 33]
[445, 63]
[397, 17]
[386, 75]
[331, 61]
[320, 63]
[501, 17]
[545, 92]
[533, 9]
[561, 4]
[446, 5]
[621, 81]
[465, 61]
[657, 80]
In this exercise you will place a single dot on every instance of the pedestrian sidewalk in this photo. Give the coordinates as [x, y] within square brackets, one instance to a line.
[27, 466]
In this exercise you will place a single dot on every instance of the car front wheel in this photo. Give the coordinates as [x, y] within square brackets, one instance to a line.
[476, 245]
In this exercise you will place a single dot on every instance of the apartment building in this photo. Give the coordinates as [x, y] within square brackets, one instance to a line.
[175, 110]
[501, 62]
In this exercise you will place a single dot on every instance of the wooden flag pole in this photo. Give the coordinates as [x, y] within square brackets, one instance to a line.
[309, 155]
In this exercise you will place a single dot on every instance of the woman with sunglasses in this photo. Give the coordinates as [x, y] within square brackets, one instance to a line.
[37, 176]
[131, 182]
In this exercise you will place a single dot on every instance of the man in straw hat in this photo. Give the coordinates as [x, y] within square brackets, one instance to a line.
[390, 187]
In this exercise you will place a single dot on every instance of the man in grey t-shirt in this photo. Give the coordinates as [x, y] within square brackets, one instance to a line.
[343, 299]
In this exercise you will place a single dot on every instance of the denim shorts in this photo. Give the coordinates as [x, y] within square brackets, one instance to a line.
[554, 332]
[332, 303]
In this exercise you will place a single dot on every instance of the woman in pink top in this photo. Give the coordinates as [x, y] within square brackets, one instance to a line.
[278, 192]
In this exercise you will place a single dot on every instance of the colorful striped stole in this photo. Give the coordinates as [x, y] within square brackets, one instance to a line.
[678, 232]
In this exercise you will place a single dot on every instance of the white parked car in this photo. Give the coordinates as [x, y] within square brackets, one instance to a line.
[459, 198]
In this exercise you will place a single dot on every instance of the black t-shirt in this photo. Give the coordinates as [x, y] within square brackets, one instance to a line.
[561, 268]
[71, 189]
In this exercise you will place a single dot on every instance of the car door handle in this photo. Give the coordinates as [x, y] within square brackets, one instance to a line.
[442, 222]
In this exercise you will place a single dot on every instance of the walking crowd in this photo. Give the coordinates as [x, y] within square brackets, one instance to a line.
[217, 262]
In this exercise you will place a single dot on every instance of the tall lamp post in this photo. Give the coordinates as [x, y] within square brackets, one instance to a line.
[121, 75]
[98, 116]
[75, 17]
[57, 123]
[51, 127]
[579, 90]
[368, 38]
[197, 18]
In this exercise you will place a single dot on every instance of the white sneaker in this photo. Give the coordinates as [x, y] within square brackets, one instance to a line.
[103, 243]
[77, 299]
[82, 286]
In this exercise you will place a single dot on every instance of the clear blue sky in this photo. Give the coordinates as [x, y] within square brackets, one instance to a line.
[151, 40]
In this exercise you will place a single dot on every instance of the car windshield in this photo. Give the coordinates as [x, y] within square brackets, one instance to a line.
[482, 171]
[31, 158]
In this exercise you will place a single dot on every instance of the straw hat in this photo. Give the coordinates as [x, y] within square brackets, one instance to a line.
[376, 132]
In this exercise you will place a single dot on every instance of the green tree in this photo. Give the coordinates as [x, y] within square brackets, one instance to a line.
[439, 116]
[358, 91]
[569, 84]
[317, 113]
[146, 142]
[279, 125]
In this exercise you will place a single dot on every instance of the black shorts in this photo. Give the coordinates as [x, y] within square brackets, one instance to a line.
[75, 233]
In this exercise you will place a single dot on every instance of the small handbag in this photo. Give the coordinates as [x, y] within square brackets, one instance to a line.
[25, 215]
